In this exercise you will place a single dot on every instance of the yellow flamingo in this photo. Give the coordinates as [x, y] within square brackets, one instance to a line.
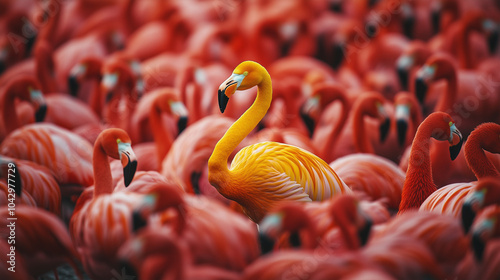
[265, 173]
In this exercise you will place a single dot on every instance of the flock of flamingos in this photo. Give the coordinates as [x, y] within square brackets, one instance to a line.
[239, 139]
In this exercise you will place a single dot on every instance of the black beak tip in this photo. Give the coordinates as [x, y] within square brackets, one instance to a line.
[2, 67]
[309, 122]
[127, 269]
[73, 85]
[436, 20]
[493, 41]
[408, 24]
[129, 172]
[420, 89]
[364, 232]
[403, 77]
[182, 124]
[455, 150]
[223, 99]
[108, 98]
[266, 243]
[384, 129]
[402, 128]
[138, 221]
[468, 216]
[40, 113]
[478, 247]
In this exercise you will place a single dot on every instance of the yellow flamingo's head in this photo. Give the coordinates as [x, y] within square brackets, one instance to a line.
[246, 75]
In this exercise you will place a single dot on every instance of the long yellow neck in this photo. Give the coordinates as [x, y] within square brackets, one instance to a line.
[243, 126]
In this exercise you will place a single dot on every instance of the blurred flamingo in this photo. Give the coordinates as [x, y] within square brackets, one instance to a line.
[150, 109]
[264, 194]
[42, 240]
[231, 241]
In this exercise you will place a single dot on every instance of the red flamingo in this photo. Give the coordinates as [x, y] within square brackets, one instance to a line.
[24, 89]
[154, 255]
[414, 56]
[97, 237]
[231, 241]
[42, 240]
[35, 181]
[482, 260]
[187, 158]
[441, 234]
[150, 110]
[453, 199]
[418, 184]
[86, 74]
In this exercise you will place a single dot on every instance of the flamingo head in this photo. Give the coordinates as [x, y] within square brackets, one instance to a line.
[246, 75]
[168, 102]
[159, 198]
[373, 106]
[485, 227]
[117, 144]
[439, 66]
[445, 130]
[405, 110]
[485, 193]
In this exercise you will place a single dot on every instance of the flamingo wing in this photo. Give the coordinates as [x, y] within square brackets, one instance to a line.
[295, 173]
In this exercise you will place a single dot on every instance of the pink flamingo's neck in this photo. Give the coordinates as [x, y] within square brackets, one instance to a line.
[103, 182]
[448, 99]
[162, 138]
[475, 155]
[418, 184]
[9, 114]
[361, 142]
[331, 140]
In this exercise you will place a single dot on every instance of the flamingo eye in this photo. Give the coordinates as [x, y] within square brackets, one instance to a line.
[118, 141]
[450, 123]
[245, 73]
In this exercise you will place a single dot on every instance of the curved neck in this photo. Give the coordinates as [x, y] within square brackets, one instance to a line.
[243, 126]
[448, 99]
[418, 184]
[464, 53]
[477, 160]
[162, 138]
[45, 70]
[103, 182]
[331, 140]
[9, 114]
[361, 142]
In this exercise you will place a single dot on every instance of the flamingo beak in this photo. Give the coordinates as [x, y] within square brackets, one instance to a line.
[481, 232]
[180, 110]
[408, 20]
[310, 108]
[385, 123]
[269, 230]
[38, 101]
[402, 118]
[129, 162]
[403, 66]
[228, 88]
[424, 75]
[492, 29]
[455, 141]
[436, 19]
[470, 207]
[108, 84]
[73, 79]
[364, 226]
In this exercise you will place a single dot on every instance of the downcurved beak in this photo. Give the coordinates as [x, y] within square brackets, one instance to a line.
[269, 230]
[403, 66]
[491, 28]
[178, 109]
[402, 119]
[455, 141]
[39, 103]
[129, 162]
[385, 123]
[436, 19]
[481, 232]
[471, 205]
[73, 79]
[424, 75]
[364, 231]
[309, 109]
[408, 20]
[228, 88]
